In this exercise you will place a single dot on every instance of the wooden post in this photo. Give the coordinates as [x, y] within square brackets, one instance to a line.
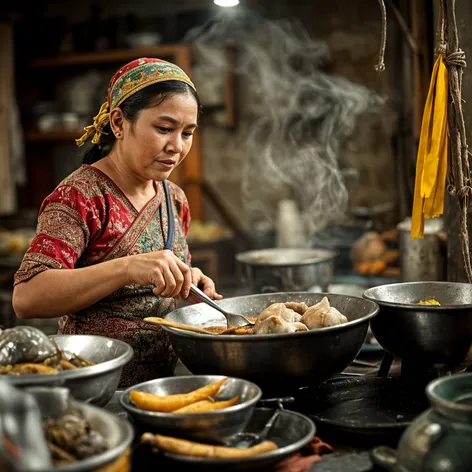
[7, 183]
[455, 263]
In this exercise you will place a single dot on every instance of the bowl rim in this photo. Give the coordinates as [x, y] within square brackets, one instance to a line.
[124, 399]
[273, 337]
[437, 401]
[326, 255]
[91, 371]
[282, 451]
[368, 296]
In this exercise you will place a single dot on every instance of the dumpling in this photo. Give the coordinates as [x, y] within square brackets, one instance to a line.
[322, 315]
[299, 308]
[280, 310]
[275, 325]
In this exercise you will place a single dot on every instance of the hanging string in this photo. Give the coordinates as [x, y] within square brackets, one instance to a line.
[380, 66]
[459, 178]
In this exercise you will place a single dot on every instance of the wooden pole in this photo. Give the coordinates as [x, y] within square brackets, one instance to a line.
[455, 263]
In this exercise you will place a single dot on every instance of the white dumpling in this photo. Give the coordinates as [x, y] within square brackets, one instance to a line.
[276, 325]
[322, 315]
[300, 308]
[280, 310]
[272, 324]
[298, 327]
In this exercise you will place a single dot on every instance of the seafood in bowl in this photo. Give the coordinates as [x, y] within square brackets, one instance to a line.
[26, 350]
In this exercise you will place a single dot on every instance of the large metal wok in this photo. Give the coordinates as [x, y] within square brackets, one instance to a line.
[275, 362]
[424, 333]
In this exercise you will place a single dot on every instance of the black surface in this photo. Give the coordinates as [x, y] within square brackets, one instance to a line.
[367, 410]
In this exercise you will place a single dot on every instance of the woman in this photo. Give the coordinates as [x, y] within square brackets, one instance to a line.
[110, 247]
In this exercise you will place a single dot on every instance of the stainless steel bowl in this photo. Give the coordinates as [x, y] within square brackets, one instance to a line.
[275, 362]
[286, 270]
[95, 384]
[53, 402]
[424, 333]
[210, 426]
[291, 432]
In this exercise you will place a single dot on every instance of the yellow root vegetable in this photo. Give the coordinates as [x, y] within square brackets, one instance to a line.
[168, 403]
[184, 447]
[205, 405]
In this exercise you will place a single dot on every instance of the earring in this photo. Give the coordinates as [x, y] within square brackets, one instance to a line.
[118, 135]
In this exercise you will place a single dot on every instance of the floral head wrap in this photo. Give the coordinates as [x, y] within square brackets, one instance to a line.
[131, 78]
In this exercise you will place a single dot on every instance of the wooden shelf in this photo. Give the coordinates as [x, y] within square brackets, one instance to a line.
[53, 135]
[113, 56]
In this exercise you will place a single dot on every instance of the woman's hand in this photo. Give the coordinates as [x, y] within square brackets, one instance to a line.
[170, 276]
[205, 284]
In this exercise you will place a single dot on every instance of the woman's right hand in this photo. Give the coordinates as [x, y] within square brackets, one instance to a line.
[170, 276]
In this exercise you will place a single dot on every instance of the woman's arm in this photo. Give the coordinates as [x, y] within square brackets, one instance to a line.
[57, 292]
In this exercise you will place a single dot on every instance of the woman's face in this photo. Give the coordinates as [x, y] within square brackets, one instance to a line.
[160, 138]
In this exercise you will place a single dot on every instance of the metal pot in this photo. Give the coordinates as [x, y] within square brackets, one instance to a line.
[427, 334]
[286, 270]
[440, 438]
[275, 362]
[422, 259]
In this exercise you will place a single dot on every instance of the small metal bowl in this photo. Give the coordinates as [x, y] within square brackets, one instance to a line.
[95, 384]
[212, 426]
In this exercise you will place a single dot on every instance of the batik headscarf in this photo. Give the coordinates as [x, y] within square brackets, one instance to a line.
[131, 78]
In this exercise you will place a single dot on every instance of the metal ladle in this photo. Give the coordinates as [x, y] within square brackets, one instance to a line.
[246, 439]
[232, 320]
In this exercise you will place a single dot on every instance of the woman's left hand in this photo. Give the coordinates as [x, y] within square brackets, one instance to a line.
[205, 284]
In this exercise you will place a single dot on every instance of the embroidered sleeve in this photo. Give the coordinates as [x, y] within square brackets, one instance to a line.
[65, 225]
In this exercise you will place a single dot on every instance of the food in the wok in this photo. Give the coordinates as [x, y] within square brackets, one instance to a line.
[322, 315]
[184, 447]
[200, 400]
[277, 318]
[71, 438]
[429, 301]
[27, 350]
[290, 317]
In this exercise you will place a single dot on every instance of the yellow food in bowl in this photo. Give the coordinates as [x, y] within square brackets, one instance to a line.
[430, 301]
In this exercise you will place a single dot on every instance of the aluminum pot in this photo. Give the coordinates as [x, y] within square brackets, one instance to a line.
[276, 362]
[286, 270]
[424, 333]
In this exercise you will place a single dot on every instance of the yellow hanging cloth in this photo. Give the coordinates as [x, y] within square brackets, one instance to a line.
[431, 162]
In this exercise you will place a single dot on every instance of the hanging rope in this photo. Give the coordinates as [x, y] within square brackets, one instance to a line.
[380, 66]
[459, 178]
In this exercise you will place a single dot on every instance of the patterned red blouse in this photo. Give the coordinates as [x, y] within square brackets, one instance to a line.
[88, 220]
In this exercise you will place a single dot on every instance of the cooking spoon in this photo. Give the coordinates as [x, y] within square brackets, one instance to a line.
[232, 320]
[173, 324]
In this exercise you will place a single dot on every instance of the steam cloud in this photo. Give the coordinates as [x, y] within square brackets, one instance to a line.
[297, 117]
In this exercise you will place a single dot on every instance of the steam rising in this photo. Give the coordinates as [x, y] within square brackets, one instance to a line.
[296, 117]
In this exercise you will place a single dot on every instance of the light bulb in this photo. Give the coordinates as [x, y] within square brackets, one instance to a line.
[226, 3]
